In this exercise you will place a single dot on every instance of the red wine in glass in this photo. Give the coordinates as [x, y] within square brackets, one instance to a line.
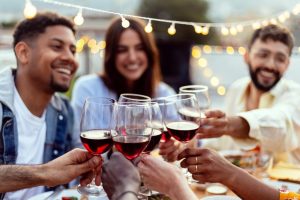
[182, 131]
[96, 141]
[155, 138]
[131, 146]
[165, 135]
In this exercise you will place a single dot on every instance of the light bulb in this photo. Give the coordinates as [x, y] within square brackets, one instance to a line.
[29, 10]
[125, 23]
[224, 31]
[148, 28]
[78, 19]
[171, 29]
[198, 29]
[233, 30]
[239, 28]
[205, 30]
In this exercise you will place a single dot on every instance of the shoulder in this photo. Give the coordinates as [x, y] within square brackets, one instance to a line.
[242, 82]
[163, 90]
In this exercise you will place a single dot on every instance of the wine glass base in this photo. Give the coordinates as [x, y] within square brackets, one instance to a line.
[91, 190]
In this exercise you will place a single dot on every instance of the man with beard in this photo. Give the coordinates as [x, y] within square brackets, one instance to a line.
[35, 123]
[263, 110]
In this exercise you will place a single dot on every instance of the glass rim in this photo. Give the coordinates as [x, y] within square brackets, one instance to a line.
[174, 97]
[193, 88]
[109, 101]
[143, 98]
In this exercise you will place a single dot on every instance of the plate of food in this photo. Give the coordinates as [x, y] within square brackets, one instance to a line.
[70, 194]
[220, 197]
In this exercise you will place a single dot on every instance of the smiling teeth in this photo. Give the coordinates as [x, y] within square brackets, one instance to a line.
[132, 67]
[64, 71]
[267, 74]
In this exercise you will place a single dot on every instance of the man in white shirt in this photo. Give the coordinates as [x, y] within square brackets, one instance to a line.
[35, 123]
[265, 109]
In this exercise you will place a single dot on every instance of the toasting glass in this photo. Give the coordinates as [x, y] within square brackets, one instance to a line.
[95, 127]
[182, 117]
[132, 132]
[131, 97]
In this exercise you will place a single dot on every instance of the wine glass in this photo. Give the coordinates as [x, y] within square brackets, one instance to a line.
[132, 133]
[95, 127]
[156, 125]
[182, 117]
[161, 102]
[202, 95]
[131, 97]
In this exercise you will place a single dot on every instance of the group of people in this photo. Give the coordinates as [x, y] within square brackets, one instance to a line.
[39, 127]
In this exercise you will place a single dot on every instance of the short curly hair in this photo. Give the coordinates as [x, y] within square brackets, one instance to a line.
[31, 28]
[275, 33]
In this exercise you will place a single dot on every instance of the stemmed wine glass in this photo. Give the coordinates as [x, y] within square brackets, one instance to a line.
[201, 93]
[95, 127]
[182, 117]
[131, 97]
[132, 133]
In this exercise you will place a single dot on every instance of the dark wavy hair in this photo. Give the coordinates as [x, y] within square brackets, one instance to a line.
[275, 33]
[29, 29]
[147, 83]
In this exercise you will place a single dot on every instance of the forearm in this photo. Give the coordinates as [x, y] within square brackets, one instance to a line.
[238, 127]
[17, 177]
[180, 190]
[246, 186]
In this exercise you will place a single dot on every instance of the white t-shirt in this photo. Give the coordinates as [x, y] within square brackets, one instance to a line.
[31, 140]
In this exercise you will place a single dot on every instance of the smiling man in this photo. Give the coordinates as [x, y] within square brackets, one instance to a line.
[36, 123]
[265, 109]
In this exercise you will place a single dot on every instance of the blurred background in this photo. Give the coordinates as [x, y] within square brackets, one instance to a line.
[209, 53]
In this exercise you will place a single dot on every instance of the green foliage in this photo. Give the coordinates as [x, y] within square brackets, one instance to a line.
[187, 10]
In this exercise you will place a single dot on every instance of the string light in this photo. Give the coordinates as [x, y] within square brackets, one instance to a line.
[199, 27]
[202, 62]
[125, 22]
[207, 49]
[205, 30]
[230, 50]
[214, 81]
[171, 29]
[78, 19]
[221, 90]
[242, 50]
[224, 31]
[29, 10]
[196, 52]
[149, 28]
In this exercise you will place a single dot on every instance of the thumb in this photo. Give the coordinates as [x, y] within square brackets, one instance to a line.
[90, 164]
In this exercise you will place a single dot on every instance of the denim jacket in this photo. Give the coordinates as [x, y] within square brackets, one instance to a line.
[59, 123]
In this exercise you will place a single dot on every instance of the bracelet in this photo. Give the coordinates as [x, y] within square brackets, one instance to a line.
[126, 192]
[286, 195]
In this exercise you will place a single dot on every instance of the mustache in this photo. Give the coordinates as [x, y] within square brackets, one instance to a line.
[259, 69]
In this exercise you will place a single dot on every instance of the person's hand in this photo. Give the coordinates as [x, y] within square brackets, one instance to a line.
[170, 149]
[119, 175]
[164, 177]
[206, 165]
[71, 165]
[214, 125]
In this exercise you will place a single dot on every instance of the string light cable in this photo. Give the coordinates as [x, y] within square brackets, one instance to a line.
[225, 28]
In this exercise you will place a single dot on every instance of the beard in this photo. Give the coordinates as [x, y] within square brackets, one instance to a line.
[263, 86]
[56, 87]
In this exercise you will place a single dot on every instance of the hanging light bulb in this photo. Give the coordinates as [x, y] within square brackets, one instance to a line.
[239, 28]
[78, 19]
[224, 30]
[29, 10]
[149, 28]
[205, 30]
[198, 29]
[171, 29]
[233, 30]
[125, 22]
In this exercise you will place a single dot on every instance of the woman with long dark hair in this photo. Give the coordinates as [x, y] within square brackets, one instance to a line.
[131, 65]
